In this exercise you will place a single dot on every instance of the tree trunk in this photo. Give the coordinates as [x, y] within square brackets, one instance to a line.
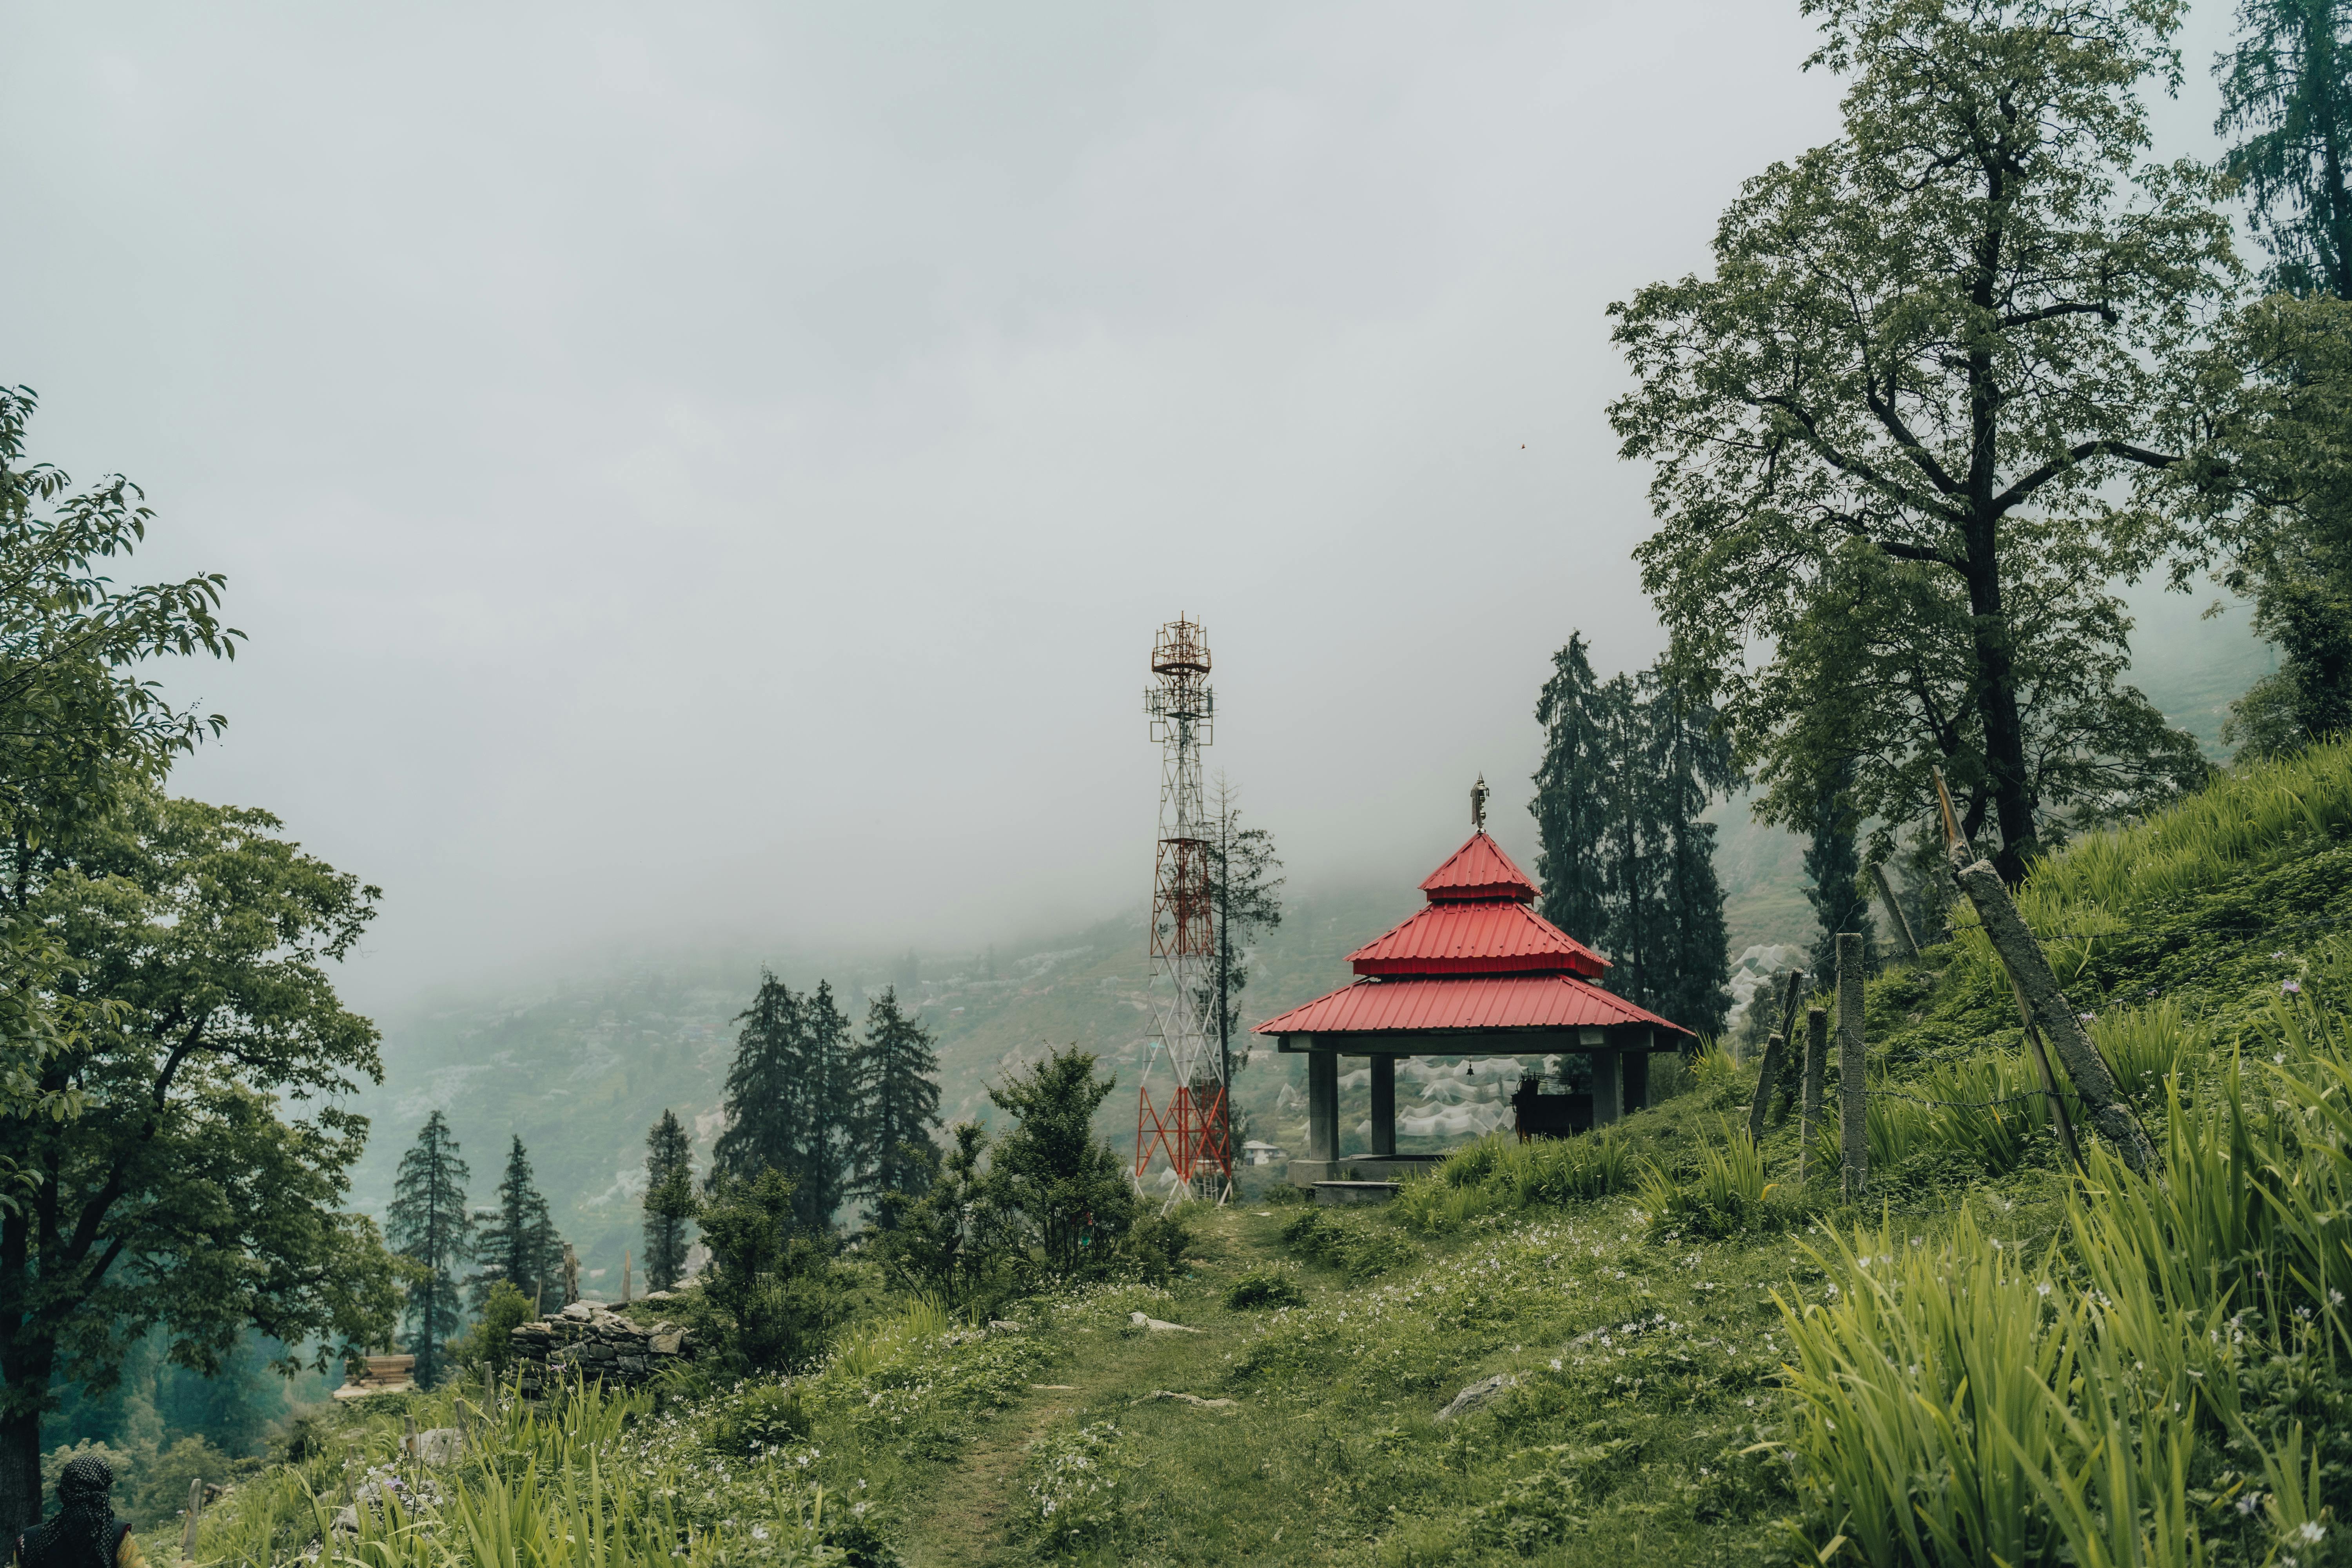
[2004, 729]
[20, 1472]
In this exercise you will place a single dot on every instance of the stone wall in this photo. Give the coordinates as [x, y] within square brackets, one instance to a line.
[593, 1342]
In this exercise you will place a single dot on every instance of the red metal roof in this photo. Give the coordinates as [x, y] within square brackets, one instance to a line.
[1488, 937]
[1445, 1003]
[1479, 869]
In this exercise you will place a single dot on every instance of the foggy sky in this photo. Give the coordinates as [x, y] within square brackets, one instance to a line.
[698, 473]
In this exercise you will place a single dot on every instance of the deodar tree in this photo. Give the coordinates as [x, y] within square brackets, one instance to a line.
[1887, 434]
[429, 1224]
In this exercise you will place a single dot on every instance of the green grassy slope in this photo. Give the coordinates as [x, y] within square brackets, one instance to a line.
[1631, 1293]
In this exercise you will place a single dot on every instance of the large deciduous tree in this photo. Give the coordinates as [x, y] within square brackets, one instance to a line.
[894, 1076]
[430, 1224]
[80, 721]
[2287, 91]
[1895, 415]
[196, 1191]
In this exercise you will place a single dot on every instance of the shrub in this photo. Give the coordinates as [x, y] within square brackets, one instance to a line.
[1153, 1247]
[1360, 1248]
[1500, 1172]
[767, 1416]
[1269, 1286]
[776, 1288]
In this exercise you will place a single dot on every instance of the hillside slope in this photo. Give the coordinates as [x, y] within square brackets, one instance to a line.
[1665, 1346]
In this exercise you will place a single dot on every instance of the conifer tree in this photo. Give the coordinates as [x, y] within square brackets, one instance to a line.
[2288, 89]
[825, 1157]
[1689, 758]
[520, 1245]
[894, 1079]
[767, 1094]
[670, 1200]
[429, 1224]
[789, 1104]
[1570, 805]
[1628, 866]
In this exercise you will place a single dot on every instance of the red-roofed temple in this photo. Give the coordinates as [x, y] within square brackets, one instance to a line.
[1477, 972]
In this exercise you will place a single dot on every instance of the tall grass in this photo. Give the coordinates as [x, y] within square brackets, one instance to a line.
[1957, 1403]
[1726, 1194]
[1498, 1174]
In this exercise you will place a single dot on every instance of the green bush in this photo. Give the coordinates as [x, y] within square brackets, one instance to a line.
[1360, 1247]
[1498, 1173]
[1153, 1247]
[764, 1418]
[1270, 1285]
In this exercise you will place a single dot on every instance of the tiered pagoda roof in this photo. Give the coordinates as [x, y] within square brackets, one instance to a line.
[1476, 957]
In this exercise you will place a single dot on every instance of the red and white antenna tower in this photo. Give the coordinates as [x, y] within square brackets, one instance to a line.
[1189, 1123]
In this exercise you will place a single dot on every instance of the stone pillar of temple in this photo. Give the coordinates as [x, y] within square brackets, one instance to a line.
[1322, 1105]
[1383, 1105]
[1608, 1087]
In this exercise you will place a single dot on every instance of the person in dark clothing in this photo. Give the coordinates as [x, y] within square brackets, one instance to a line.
[84, 1533]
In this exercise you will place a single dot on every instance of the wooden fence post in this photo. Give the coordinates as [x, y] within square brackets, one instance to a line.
[196, 1512]
[1766, 1078]
[1895, 915]
[2045, 1006]
[1817, 1053]
[1791, 1059]
[1853, 1113]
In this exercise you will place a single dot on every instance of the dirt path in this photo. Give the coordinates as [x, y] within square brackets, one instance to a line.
[963, 1519]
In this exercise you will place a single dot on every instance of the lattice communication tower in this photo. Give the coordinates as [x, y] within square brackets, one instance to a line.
[1189, 1121]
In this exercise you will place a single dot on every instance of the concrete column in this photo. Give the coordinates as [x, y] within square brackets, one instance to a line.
[1383, 1105]
[1608, 1087]
[1322, 1105]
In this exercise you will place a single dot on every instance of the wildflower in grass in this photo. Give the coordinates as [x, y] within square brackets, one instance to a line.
[2291, 987]
[2310, 1532]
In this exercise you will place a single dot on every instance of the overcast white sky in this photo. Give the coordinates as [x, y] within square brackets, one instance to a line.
[713, 472]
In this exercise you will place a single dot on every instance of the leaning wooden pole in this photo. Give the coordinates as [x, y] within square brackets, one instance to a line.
[2046, 1009]
[2044, 1005]
[1854, 1110]
[1895, 915]
[1817, 1055]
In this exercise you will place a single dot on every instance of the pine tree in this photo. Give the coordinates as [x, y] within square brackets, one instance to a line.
[766, 1093]
[2287, 86]
[429, 1224]
[1241, 888]
[670, 1200]
[789, 1104]
[1571, 804]
[825, 1157]
[1689, 760]
[894, 1080]
[1627, 865]
[521, 1244]
[1835, 864]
